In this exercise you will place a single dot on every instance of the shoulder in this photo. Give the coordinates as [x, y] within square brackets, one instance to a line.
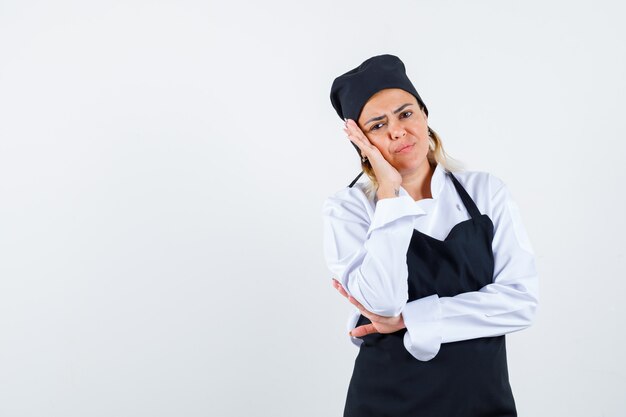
[479, 183]
[500, 205]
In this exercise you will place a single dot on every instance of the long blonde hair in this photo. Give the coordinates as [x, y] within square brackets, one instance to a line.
[436, 155]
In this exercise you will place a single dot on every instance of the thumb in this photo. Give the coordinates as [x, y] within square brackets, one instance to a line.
[363, 330]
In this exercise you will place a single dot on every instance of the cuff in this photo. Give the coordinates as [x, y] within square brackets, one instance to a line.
[422, 319]
[390, 209]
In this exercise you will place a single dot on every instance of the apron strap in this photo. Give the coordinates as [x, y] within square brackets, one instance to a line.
[354, 180]
[465, 197]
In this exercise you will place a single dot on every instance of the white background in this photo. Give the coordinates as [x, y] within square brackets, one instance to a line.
[163, 166]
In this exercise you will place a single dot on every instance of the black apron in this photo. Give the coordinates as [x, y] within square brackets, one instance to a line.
[467, 378]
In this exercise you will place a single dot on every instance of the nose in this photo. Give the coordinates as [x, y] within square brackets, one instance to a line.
[396, 131]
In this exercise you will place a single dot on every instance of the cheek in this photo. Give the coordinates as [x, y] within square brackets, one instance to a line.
[377, 142]
[423, 143]
[418, 130]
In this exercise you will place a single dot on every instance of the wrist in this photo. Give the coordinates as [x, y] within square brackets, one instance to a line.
[388, 191]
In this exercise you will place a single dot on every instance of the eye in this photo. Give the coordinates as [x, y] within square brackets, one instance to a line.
[374, 126]
[409, 112]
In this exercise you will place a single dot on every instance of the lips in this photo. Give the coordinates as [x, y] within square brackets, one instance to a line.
[405, 147]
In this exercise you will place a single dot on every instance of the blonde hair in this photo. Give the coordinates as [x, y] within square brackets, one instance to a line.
[436, 155]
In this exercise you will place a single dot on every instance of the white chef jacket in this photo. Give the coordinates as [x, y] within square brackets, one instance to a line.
[366, 242]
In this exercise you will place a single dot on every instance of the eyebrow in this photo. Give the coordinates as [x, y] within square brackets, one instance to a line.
[374, 119]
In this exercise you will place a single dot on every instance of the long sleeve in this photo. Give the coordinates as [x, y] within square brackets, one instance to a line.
[506, 305]
[365, 247]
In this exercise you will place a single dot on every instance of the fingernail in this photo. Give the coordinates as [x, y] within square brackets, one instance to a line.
[350, 332]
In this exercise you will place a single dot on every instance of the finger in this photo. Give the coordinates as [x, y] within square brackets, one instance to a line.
[356, 140]
[356, 130]
[361, 141]
[340, 288]
[355, 302]
[364, 149]
[363, 310]
[363, 330]
[352, 130]
[357, 134]
[342, 291]
[372, 316]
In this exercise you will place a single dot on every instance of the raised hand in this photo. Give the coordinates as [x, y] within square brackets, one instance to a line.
[386, 174]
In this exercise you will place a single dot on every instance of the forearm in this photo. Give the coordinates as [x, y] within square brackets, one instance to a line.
[366, 250]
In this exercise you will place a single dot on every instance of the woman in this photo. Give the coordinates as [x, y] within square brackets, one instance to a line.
[438, 264]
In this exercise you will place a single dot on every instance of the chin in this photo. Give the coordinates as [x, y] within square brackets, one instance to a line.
[411, 165]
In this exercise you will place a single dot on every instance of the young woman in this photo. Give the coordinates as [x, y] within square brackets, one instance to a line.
[436, 260]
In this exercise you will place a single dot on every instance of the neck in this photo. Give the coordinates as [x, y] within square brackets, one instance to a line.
[417, 183]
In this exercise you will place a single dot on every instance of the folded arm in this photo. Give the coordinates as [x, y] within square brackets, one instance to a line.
[507, 305]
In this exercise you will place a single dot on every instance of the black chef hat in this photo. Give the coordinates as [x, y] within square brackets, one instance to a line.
[350, 91]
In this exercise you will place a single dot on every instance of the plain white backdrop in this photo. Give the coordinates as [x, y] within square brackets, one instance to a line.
[163, 166]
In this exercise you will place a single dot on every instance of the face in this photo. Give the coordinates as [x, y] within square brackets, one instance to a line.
[392, 119]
